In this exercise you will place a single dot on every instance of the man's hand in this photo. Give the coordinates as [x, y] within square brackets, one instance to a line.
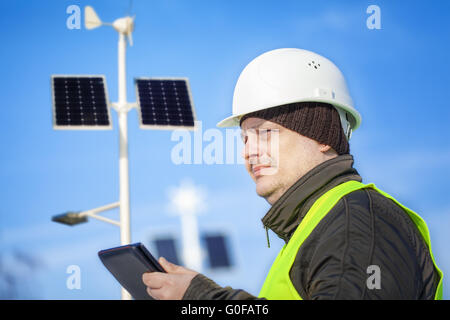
[171, 285]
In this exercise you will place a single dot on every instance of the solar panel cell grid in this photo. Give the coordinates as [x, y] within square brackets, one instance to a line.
[218, 253]
[80, 101]
[164, 102]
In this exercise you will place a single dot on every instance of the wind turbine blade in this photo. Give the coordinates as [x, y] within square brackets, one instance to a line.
[91, 19]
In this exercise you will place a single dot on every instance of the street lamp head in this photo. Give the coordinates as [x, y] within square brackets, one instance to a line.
[70, 218]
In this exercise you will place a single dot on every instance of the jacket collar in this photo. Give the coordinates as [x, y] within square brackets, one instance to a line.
[288, 211]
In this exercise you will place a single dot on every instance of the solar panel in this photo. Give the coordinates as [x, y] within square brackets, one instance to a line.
[218, 254]
[80, 102]
[166, 248]
[164, 103]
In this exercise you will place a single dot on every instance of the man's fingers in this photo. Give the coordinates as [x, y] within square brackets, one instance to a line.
[154, 280]
[173, 268]
[159, 294]
[168, 286]
[168, 266]
[151, 294]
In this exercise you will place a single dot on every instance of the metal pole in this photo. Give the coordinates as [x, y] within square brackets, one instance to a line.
[192, 254]
[125, 237]
[100, 209]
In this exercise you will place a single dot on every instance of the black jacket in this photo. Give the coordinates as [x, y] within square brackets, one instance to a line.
[363, 229]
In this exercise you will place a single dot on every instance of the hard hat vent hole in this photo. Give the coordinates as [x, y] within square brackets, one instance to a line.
[314, 65]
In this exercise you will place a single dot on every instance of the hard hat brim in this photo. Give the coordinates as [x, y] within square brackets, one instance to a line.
[234, 120]
[231, 121]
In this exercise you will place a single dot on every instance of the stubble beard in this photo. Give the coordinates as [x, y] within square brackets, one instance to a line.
[270, 190]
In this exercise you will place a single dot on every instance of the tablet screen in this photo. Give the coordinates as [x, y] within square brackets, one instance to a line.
[127, 264]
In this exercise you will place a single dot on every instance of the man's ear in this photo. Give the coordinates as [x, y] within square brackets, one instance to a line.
[326, 149]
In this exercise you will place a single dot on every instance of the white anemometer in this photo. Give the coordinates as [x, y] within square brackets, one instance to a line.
[123, 25]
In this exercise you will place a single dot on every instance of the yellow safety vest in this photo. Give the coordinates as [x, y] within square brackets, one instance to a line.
[278, 285]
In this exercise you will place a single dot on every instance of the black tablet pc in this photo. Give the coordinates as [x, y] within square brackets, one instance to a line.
[127, 264]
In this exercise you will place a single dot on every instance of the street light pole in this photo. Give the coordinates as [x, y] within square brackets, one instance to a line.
[123, 146]
[122, 111]
[124, 26]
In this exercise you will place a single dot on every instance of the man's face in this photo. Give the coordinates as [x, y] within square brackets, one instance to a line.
[276, 157]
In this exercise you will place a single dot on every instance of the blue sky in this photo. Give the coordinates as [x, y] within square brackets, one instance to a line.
[398, 76]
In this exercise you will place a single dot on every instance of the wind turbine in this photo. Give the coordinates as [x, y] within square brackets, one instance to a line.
[123, 25]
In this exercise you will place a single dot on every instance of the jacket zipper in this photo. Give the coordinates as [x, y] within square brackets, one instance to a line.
[267, 236]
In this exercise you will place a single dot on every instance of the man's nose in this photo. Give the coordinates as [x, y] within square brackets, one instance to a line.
[251, 149]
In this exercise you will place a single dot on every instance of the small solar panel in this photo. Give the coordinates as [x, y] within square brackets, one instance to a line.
[218, 254]
[166, 248]
[165, 103]
[80, 102]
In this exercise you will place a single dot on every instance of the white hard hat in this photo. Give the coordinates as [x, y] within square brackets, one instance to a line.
[290, 75]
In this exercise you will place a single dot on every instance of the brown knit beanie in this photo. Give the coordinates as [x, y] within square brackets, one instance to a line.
[315, 120]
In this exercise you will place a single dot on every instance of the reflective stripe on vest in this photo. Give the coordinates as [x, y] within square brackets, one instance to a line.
[278, 285]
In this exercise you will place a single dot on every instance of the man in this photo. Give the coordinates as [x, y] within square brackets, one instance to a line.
[344, 239]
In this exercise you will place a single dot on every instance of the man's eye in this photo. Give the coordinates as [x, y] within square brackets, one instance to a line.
[265, 132]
